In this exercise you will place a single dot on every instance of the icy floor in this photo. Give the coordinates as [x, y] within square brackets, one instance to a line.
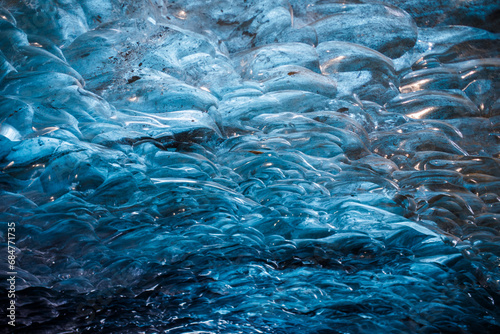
[253, 166]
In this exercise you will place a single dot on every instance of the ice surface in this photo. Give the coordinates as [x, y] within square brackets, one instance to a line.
[388, 30]
[251, 166]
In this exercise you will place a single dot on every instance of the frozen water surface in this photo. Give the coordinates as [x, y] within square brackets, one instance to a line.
[251, 166]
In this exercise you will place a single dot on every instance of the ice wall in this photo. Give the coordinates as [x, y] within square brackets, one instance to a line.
[251, 166]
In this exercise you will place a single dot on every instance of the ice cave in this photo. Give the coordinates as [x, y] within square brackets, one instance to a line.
[250, 166]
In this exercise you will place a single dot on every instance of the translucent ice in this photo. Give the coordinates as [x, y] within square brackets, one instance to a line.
[257, 166]
[386, 29]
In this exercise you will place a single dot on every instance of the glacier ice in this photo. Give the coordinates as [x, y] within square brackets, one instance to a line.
[254, 166]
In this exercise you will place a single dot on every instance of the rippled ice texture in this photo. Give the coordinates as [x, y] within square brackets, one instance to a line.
[255, 166]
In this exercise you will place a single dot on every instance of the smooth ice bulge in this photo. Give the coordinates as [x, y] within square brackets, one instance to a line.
[251, 167]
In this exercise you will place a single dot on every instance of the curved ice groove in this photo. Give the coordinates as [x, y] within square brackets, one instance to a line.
[208, 184]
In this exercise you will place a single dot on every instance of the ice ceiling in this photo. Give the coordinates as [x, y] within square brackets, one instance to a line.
[251, 166]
